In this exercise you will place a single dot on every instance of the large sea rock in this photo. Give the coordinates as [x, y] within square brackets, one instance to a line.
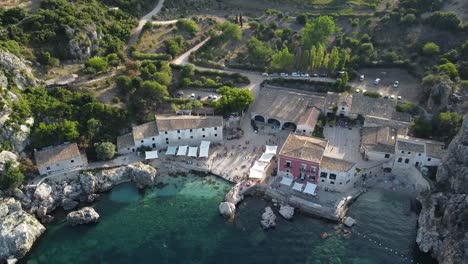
[18, 230]
[227, 209]
[444, 215]
[235, 195]
[85, 215]
[268, 218]
[286, 211]
[141, 174]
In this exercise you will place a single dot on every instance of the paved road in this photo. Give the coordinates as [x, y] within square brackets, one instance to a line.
[148, 17]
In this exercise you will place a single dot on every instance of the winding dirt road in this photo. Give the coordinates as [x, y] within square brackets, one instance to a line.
[148, 17]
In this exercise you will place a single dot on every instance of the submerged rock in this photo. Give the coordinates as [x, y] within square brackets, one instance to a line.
[287, 212]
[69, 204]
[268, 218]
[227, 209]
[18, 230]
[85, 215]
[349, 221]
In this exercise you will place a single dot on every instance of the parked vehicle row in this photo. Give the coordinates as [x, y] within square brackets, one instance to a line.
[377, 81]
[294, 74]
[386, 96]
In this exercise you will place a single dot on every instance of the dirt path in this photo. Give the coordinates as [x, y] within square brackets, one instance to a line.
[137, 31]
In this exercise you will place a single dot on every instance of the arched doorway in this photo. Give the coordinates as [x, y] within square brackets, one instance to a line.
[259, 118]
[289, 126]
[274, 122]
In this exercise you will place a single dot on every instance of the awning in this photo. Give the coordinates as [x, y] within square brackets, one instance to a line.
[151, 154]
[171, 150]
[266, 157]
[310, 188]
[192, 151]
[204, 149]
[256, 174]
[182, 151]
[286, 181]
[298, 186]
[259, 165]
[271, 149]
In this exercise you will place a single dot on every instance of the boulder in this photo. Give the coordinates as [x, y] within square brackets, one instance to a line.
[7, 156]
[286, 211]
[11, 260]
[268, 218]
[85, 215]
[41, 212]
[43, 191]
[141, 174]
[234, 196]
[19, 230]
[92, 197]
[227, 209]
[349, 221]
[69, 204]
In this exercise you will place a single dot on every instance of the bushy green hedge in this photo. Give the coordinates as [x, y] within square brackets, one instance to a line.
[151, 56]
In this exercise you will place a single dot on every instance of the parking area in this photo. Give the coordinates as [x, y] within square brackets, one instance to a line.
[199, 95]
[409, 88]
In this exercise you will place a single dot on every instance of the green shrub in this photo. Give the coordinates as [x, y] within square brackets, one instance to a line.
[105, 150]
[430, 48]
[12, 177]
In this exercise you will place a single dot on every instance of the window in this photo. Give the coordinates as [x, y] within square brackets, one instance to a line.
[323, 175]
[311, 177]
[406, 160]
[141, 141]
[409, 152]
[48, 168]
[191, 136]
[303, 130]
[178, 131]
[323, 180]
[167, 142]
[203, 129]
[153, 139]
[387, 156]
[400, 159]
[332, 182]
[216, 128]
[419, 154]
[72, 161]
[165, 132]
[128, 148]
[341, 183]
[167, 139]
[216, 135]
[342, 108]
[348, 181]
[402, 151]
[178, 138]
[191, 130]
[288, 164]
[203, 135]
[332, 176]
[312, 170]
[428, 159]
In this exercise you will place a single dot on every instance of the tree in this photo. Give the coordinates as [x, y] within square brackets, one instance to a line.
[258, 49]
[93, 127]
[188, 70]
[422, 127]
[450, 69]
[187, 24]
[241, 22]
[105, 150]
[96, 64]
[408, 19]
[444, 20]
[449, 123]
[282, 60]
[12, 177]
[344, 58]
[233, 100]
[113, 59]
[231, 31]
[390, 57]
[319, 56]
[430, 49]
[124, 84]
[301, 19]
[317, 31]
[334, 60]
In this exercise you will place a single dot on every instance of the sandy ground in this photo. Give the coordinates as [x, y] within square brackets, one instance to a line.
[409, 88]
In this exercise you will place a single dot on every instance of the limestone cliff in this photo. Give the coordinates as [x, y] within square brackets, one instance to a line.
[443, 222]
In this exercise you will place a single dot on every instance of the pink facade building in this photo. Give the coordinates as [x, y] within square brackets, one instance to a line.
[300, 157]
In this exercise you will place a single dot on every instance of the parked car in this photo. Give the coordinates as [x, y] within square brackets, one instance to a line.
[210, 97]
[315, 75]
[364, 91]
[284, 74]
[295, 74]
[361, 78]
[192, 96]
[324, 75]
[396, 84]
[385, 96]
[392, 97]
[215, 97]
[199, 97]
[274, 75]
[377, 81]
[399, 98]
[305, 75]
[265, 74]
[381, 95]
[358, 91]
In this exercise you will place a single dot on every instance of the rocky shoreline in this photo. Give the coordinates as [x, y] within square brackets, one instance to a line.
[23, 212]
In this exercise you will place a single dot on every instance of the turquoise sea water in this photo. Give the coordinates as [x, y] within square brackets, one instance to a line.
[179, 223]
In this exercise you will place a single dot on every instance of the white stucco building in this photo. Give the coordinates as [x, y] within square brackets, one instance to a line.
[378, 143]
[336, 174]
[58, 159]
[417, 152]
[172, 130]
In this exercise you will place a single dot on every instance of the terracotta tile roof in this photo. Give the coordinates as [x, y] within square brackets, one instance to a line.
[181, 122]
[145, 130]
[410, 146]
[310, 117]
[125, 141]
[380, 139]
[285, 105]
[333, 164]
[304, 148]
[52, 155]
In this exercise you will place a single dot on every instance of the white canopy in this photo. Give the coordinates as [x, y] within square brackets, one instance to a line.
[286, 181]
[271, 149]
[151, 154]
[171, 150]
[256, 174]
[266, 157]
[259, 165]
[310, 188]
[182, 151]
[204, 149]
[298, 186]
[192, 151]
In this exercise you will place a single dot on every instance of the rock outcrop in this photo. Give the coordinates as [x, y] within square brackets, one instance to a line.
[234, 196]
[83, 42]
[18, 230]
[268, 218]
[85, 215]
[227, 209]
[7, 156]
[286, 211]
[141, 174]
[444, 215]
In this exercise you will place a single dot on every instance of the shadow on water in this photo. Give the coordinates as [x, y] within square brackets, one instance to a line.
[179, 223]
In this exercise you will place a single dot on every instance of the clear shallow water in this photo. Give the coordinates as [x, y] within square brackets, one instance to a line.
[179, 223]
